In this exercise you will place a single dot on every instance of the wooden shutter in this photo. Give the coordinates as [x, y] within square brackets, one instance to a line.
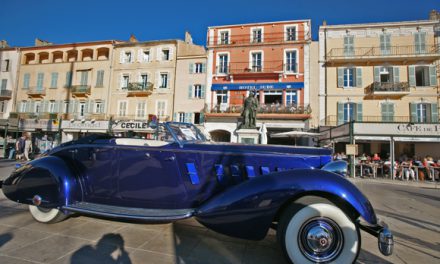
[203, 67]
[413, 111]
[376, 74]
[171, 53]
[202, 118]
[340, 113]
[382, 43]
[30, 107]
[432, 76]
[358, 77]
[175, 118]
[412, 75]
[140, 55]
[191, 68]
[340, 77]
[121, 56]
[202, 92]
[391, 112]
[396, 75]
[434, 113]
[103, 106]
[56, 107]
[190, 91]
[4, 84]
[359, 112]
[159, 54]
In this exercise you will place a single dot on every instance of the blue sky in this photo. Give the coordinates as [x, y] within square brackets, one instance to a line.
[67, 21]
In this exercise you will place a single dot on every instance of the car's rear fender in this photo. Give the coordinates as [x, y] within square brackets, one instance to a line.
[248, 210]
[49, 177]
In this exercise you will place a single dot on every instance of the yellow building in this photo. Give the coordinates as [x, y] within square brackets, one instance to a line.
[379, 87]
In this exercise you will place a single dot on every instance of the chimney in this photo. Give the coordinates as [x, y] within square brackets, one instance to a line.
[40, 42]
[434, 15]
[132, 38]
[188, 38]
[3, 44]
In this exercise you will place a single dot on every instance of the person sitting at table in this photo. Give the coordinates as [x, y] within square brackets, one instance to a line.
[429, 169]
[407, 170]
[376, 158]
[387, 165]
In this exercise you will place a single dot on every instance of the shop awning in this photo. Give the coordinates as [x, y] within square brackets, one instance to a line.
[256, 86]
[291, 134]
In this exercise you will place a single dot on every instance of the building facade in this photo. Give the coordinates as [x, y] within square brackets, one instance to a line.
[9, 63]
[67, 81]
[269, 58]
[380, 75]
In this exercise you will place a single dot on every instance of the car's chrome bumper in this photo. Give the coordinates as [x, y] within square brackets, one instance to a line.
[383, 234]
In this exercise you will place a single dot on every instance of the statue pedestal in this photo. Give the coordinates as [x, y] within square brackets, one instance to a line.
[248, 136]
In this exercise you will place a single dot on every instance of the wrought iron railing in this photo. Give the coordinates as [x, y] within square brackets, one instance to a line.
[5, 93]
[233, 39]
[36, 91]
[332, 120]
[81, 89]
[383, 87]
[265, 109]
[140, 87]
[360, 52]
[249, 68]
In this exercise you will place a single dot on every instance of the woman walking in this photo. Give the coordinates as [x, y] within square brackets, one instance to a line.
[27, 147]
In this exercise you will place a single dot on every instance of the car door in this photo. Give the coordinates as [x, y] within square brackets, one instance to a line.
[149, 178]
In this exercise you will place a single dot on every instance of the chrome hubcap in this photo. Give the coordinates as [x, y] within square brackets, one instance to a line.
[320, 239]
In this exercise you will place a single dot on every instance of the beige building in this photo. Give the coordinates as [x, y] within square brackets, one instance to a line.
[378, 77]
[69, 81]
[144, 83]
[9, 58]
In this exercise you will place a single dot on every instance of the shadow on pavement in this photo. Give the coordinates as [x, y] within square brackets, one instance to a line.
[4, 238]
[109, 249]
[366, 257]
[409, 220]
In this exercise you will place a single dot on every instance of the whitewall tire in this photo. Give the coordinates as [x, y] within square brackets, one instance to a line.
[46, 216]
[318, 233]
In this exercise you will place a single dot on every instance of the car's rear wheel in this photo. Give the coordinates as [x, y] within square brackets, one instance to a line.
[318, 233]
[46, 215]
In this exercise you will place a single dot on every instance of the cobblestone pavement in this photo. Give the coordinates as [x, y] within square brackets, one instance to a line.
[411, 212]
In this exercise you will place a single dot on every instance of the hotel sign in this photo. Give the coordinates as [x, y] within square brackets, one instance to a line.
[397, 129]
[256, 86]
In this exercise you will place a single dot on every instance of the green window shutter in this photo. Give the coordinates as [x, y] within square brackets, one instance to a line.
[26, 80]
[391, 112]
[340, 113]
[44, 106]
[340, 77]
[434, 113]
[359, 77]
[382, 44]
[376, 74]
[190, 117]
[202, 92]
[202, 118]
[384, 111]
[359, 112]
[4, 84]
[84, 77]
[412, 75]
[100, 79]
[31, 107]
[413, 110]
[103, 106]
[68, 79]
[56, 107]
[175, 118]
[191, 68]
[40, 80]
[86, 106]
[432, 76]
[203, 67]
[190, 93]
[186, 118]
[54, 81]
[396, 75]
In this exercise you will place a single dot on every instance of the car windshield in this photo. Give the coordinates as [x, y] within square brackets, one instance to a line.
[185, 132]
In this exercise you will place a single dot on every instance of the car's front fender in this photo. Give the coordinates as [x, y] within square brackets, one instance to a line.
[247, 210]
[49, 177]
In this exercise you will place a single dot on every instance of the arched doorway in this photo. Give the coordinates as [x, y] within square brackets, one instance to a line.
[220, 136]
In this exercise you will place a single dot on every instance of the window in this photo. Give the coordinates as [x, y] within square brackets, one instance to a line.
[26, 80]
[290, 61]
[291, 97]
[69, 79]
[40, 79]
[291, 33]
[144, 80]
[181, 117]
[198, 118]
[385, 44]
[420, 42]
[386, 74]
[84, 78]
[5, 66]
[2, 106]
[163, 80]
[51, 106]
[81, 109]
[352, 77]
[273, 97]
[122, 108]
[423, 113]
[197, 91]
[422, 76]
[141, 110]
[199, 68]
[161, 108]
[23, 106]
[146, 56]
[54, 80]
[125, 80]
[257, 35]
[349, 77]
[349, 112]
[127, 57]
[387, 112]
[223, 63]
[100, 79]
[222, 97]
[257, 63]
[224, 37]
[348, 45]
[99, 107]
[165, 54]
[4, 84]
[37, 107]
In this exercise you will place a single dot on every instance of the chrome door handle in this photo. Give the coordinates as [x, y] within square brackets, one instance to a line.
[172, 158]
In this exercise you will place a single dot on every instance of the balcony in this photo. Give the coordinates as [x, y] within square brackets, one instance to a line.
[268, 68]
[403, 54]
[32, 115]
[265, 38]
[379, 90]
[265, 111]
[5, 94]
[80, 90]
[332, 120]
[36, 92]
[139, 89]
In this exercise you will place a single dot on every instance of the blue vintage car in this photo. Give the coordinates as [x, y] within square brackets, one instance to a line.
[235, 189]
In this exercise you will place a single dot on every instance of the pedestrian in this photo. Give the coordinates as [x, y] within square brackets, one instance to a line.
[19, 146]
[27, 147]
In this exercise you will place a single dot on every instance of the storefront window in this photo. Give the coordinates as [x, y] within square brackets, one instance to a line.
[291, 97]
[273, 97]
[222, 97]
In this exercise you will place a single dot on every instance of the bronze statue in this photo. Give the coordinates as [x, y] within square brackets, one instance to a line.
[249, 113]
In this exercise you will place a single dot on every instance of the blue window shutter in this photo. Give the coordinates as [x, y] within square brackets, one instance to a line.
[413, 110]
[359, 112]
[359, 77]
[340, 77]
[391, 112]
[412, 76]
[202, 93]
[432, 76]
[434, 113]
[190, 93]
[191, 68]
[340, 113]
[376, 74]
[202, 118]
[396, 75]
[190, 118]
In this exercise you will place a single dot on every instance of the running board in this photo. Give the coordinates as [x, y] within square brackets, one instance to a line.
[129, 213]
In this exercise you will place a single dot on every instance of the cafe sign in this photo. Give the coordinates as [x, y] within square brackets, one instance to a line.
[397, 129]
[84, 125]
[132, 126]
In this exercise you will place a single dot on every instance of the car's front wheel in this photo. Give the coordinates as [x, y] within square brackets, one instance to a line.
[46, 215]
[318, 233]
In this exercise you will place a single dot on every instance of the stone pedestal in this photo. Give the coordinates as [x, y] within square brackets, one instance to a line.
[248, 136]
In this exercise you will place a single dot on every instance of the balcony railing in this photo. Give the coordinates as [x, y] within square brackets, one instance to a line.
[380, 88]
[332, 120]
[118, 117]
[32, 115]
[139, 89]
[5, 94]
[80, 90]
[266, 109]
[36, 92]
[269, 67]
[378, 52]
[249, 39]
